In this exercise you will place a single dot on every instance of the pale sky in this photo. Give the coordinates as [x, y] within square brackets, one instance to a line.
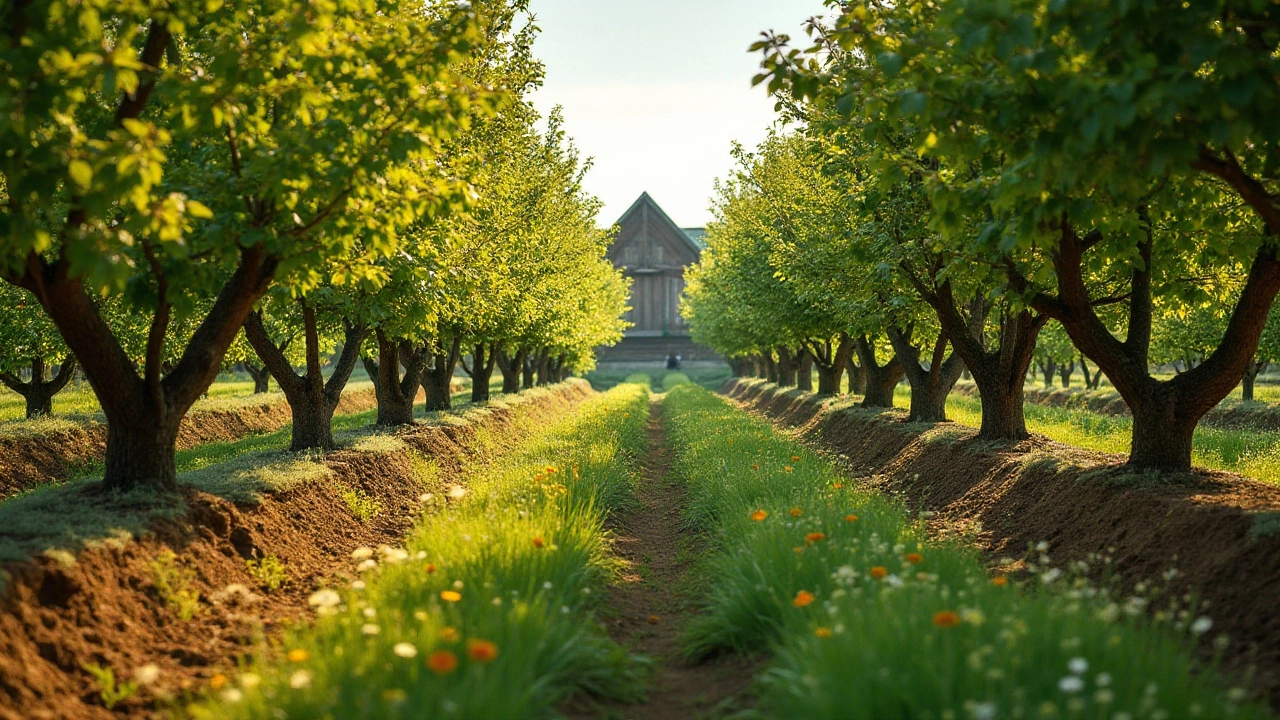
[656, 91]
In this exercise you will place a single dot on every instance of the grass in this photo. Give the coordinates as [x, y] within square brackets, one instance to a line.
[867, 616]
[710, 375]
[1252, 453]
[486, 611]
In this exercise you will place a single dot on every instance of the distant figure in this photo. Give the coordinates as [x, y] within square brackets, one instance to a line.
[673, 361]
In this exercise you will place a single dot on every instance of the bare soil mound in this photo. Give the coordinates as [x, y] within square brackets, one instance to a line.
[1219, 530]
[107, 608]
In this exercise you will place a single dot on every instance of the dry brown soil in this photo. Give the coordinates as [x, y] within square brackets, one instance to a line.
[654, 600]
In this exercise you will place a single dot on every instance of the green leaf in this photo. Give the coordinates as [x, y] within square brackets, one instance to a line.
[81, 173]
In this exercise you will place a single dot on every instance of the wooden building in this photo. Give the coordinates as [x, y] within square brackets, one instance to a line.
[653, 251]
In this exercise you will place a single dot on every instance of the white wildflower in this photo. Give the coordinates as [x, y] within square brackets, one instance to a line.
[300, 679]
[147, 674]
[1070, 684]
[370, 629]
[362, 553]
[405, 650]
[1202, 625]
[1078, 665]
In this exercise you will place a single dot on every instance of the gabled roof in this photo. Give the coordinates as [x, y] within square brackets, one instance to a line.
[645, 200]
[697, 235]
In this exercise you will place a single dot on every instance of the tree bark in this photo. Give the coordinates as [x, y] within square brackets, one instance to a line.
[880, 379]
[770, 367]
[929, 386]
[830, 362]
[1049, 368]
[527, 379]
[804, 370]
[483, 359]
[38, 393]
[786, 367]
[260, 376]
[1064, 372]
[510, 367]
[396, 393]
[1251, 372]
[437, 378]
[144, 412]
[312, 400]
[1165, 412]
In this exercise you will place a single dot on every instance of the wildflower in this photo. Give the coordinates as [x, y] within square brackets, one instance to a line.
[250, 680]
[1104, 696]
[654, 620]
[879, 573]
[362, 553]
[822, 632]
[1103, 680]
[1070, 684]
[972, 616]
[946, 619]
[788, 468]
[1201, 625]
[551, 470]
[814, 537]
[449, 634]
[1050, 575]
[147, 674]
[982, 710]
[755, 466]
[457, 492]
[1000, 580]
[803, 598]
[217, 681]
[298, 655]
[429, 568]
[367, 565]
[442, 662]
[450, 595]
[798, 549]
[837, 485]
[796, 512]
[231, 696]
[850, 518]
[370, 629]
[538, 543]
[1078, 665]
[405, 650]
[795, 458]
[914, 558]
[759, 515]
[324, 599]
[300, 680]
[481, 651]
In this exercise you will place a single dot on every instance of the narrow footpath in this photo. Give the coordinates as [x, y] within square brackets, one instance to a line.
[648, 608]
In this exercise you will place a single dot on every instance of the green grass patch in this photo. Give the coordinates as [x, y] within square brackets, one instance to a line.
[486, 611]
[868, 616]
[708, 374]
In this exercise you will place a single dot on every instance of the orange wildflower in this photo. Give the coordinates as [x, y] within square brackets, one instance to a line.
[796, 512]
[879, 573]
[654, 619]
[814, 537]
[537, 542]
[850, 518]
[449, 634]
[298, 655]
[803, 598]
[822, 632]
[759, 515]
[1000, 580]
[795, 458]
[481, 650]
[450, 595]
[799, 549]
[217, 681]
[915, 558]
[788, 468]
[429, 568]
[551, 470]
[442, 662]
[946, 619]
[837, 485]
[755, 466]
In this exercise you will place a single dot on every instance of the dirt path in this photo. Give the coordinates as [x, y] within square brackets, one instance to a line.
[649, 608]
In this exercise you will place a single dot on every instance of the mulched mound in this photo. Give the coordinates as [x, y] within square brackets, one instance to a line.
[1206, 524]
[29, 461]
[105, 609]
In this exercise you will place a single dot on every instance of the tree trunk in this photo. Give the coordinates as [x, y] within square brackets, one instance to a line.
[830, 362]
[880, 379]
[929, 387]
[857, 377]
[38, 392]
[545, 369]
[510, 367]
[1064, 371]
[482, 362]
[1049, 368]
[786, 367]
[1251, 372]
[526, 371]
[804, 370]
[312, 400]
[1161, 436]
[140, 447]
[395, 393]
[260, 376]
[770, 367]
[437, 378]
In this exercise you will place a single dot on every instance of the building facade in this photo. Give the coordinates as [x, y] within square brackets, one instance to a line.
[653, 251]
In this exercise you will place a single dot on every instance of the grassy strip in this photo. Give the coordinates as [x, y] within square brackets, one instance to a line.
[869, 617]
[1252, 453]
[485, 613]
